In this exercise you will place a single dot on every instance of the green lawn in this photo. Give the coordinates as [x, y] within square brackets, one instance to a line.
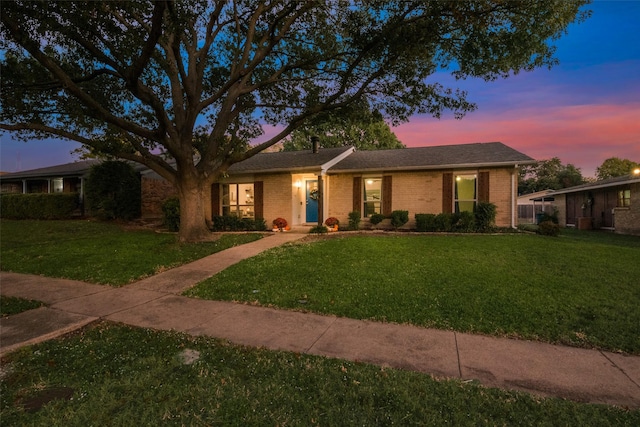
[13, 305]
[117, 375]
[98, 252]
[579, 289]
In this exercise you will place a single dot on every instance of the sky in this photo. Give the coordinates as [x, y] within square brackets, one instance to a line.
[583, 111]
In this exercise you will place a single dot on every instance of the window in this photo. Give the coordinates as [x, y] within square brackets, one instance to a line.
[624, 198]
[465, 193]
[58, 185]
[372, 196]
[238, 199]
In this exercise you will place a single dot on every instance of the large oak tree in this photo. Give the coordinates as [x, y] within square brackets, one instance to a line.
[184, 86]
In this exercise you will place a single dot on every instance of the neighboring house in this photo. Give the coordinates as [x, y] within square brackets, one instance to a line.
[67, 178]
[306, 187]
[532, 204]
[610, 204]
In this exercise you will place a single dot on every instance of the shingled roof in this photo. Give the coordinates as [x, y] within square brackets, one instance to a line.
[68, 169]
[436, 157]
[290, 161]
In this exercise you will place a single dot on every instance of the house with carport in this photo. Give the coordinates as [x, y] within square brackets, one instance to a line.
[610, 204]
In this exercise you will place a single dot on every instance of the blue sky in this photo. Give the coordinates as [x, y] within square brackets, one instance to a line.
[583, 111]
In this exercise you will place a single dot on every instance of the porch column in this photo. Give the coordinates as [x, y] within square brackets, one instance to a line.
[24, 186]
[320, 200]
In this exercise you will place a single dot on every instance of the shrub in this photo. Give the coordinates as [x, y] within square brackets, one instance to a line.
[354, 220]
[332, 221]
[233, 223]
[444, 222]
[171, 213]
[463, 222]
[553, 217]
[376, 218]
[39, 205]
[399, 218]
[426, 222]
[113, 191]
[485, 216]
[548, 228]
[318, 229]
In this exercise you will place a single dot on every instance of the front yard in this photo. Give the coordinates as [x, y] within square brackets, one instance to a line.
[579, 289]
[104, 253]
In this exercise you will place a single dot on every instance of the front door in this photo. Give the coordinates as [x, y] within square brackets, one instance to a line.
[312, 201]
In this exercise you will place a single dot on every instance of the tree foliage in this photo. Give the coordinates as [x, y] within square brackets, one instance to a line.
[360, 128]
[548, 175]
[113, 191]
[183, 87]
[615, 166]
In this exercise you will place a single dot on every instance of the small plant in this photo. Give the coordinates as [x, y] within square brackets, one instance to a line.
[332, 221]
[399, 218]
[318, 229]
[426, 222]
[171, 213]
[354, 220]
[485, 216]
[280, 223]
[548, 228]
[376, 218]
[464, 222]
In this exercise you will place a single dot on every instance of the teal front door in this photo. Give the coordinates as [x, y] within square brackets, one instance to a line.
[312, 201]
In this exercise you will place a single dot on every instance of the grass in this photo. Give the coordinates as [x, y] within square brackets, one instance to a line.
[580, 289]
[12, 305]
[98, 252]
[116, 375]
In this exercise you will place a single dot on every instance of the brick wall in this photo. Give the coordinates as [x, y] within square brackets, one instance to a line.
[421, 192]
[627, 220]
[154, 192]
[278, 193]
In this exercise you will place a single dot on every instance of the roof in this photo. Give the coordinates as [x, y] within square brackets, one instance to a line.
[604, 183]
[68, 169]
[291, 161]
[436, 157]
[538, 195]
[79, 168]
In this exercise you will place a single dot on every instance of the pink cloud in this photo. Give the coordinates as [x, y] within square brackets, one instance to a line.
[583, 135]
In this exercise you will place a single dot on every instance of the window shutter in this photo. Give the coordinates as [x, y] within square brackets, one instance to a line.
[215, 199]
[357, 194]
[258, 199]
[447, 192]
[483, 187]
[386, 195]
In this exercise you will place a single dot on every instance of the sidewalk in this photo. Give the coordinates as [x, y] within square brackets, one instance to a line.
[576, 374]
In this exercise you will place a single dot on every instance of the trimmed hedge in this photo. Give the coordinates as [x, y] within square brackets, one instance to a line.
[482, 221]
[39, 205]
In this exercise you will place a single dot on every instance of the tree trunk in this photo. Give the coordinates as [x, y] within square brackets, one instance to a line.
[194, 196]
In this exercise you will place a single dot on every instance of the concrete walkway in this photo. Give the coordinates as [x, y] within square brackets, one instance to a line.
[576, 374]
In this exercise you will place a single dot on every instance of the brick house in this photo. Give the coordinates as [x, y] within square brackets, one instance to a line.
[306, 187]
[610, 204]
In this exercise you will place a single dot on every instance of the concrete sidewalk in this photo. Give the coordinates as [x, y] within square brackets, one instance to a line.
[577, 374]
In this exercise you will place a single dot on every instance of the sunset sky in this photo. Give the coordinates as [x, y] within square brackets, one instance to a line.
[583, 111]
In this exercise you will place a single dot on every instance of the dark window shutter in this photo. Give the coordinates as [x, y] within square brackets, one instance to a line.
[215, 199]
[386, 195]
[483, 187]
[357, 194]
[447, 192]
[258, 199]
